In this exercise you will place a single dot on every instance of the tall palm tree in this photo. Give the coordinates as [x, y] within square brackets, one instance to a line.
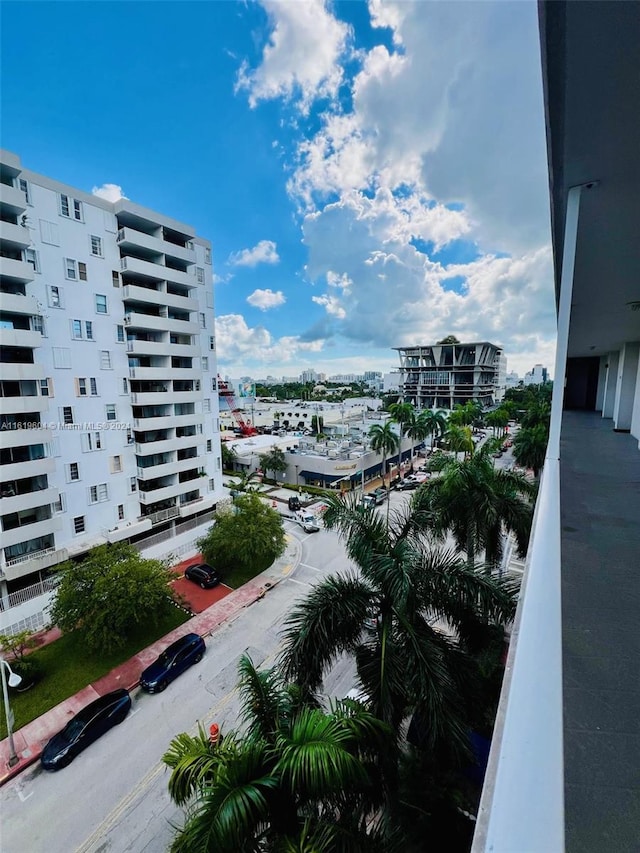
[458, 439]
[530, 448]
[402, 414]
[297, 778]
[476, 503]
[417, 429]
[383, 616]
[383, 440]
[435, 422]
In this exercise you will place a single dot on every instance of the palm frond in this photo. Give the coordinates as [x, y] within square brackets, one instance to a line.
[262, 699]
[193, 763]
[328, 622]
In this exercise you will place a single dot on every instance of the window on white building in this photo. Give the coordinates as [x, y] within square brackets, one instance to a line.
[31, 257]
[200, 275]
[120, 512]
[207, 255]
[125, 385]
[70, 207]
[212, 342]
[81, 387]
[101, 303]
[98, 494]
[209, 447]
[93, 385]
[78, 524]
[55, 296]
[120, 334]
[24, 187]
[133, 485]
[105, 359]
[212, 485]
[73, 472]
[38, 325]
[91, 441]
[46, 387]
[76, 330]
[116, 464]
[203, 321]
[206, 405]
[88, 325]
[110, 410]
[96, 245]
[115, 278]
[61, 504]
[75, 270]
[205, 363]
[67, 414]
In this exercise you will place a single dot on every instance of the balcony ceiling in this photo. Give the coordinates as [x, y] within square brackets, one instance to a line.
[591, 76]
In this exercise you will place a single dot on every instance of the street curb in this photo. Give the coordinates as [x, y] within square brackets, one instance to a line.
[261, 591]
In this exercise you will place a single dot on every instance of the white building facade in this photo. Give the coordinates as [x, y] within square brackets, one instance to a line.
[440, 376]
[109, 406]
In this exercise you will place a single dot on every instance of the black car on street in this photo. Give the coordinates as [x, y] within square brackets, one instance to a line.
[87, 725]
[173, 661]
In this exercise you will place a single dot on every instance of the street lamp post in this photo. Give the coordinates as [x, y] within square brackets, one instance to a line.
[14, 681]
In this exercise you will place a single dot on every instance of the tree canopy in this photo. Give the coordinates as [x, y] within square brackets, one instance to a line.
[111, 591]
[273, 460]
[247, 533]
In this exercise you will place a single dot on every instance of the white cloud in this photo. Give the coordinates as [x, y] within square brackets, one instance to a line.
[264, 252]
[265, 299]
[332, 305]
[239, 345]
[109, 192]
[301, 59]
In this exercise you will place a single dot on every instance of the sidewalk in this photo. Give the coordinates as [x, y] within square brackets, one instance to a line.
[30, 740]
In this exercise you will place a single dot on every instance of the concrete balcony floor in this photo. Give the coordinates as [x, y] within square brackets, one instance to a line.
[600, 517]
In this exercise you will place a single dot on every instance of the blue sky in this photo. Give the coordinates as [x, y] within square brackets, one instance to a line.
[370, 175]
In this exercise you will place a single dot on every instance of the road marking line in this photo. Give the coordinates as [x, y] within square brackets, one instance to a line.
[22, 796]
[307, 566]
[112, 818]
[301, 583]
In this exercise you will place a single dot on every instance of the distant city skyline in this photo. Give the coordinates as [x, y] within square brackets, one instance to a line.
[370, 175]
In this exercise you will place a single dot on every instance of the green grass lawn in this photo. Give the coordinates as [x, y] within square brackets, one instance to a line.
[239, 575]
[68, 667]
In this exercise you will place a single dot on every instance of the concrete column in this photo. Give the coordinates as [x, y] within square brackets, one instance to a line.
[610, 384]
[635, 417]
[602, 381]
[626, 386]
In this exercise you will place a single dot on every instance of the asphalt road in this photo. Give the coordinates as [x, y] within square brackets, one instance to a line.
[113, 797]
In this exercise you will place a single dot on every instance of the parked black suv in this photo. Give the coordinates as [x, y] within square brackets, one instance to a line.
[294, 504]
[202, 574]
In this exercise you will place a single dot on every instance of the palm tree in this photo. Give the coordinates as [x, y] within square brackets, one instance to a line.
[402, 413]
[384, 440]
[417, 430]
[435, 422]
[458, 440]
[298, 778]
[477, 503]
[530, 448]
[383, 616]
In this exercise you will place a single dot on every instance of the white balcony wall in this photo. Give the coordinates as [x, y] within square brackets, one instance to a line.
[151, 447]
[30, 531]
[159, 297]
[22, 371]
[172, 491]
[20, 470]
[129, 238]
[20, 405]
[147, 322]
[17, 235]
[18, 338]
[12, 199]
[163, 373]
[16, 303]
[25, 437]
[167, 422]
[17, 270]
[174, 467]
[27, 501]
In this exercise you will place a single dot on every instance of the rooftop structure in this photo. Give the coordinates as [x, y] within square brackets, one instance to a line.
[440, 376]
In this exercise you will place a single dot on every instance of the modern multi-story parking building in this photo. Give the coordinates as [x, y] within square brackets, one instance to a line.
[108, 403]
[439, 376]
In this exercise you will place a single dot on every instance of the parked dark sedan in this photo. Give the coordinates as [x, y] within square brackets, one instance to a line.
[87, 725]
[172, 662]
[202, 574]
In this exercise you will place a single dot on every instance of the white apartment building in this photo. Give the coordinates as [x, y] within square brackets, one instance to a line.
[439, 376]
[108, 399]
